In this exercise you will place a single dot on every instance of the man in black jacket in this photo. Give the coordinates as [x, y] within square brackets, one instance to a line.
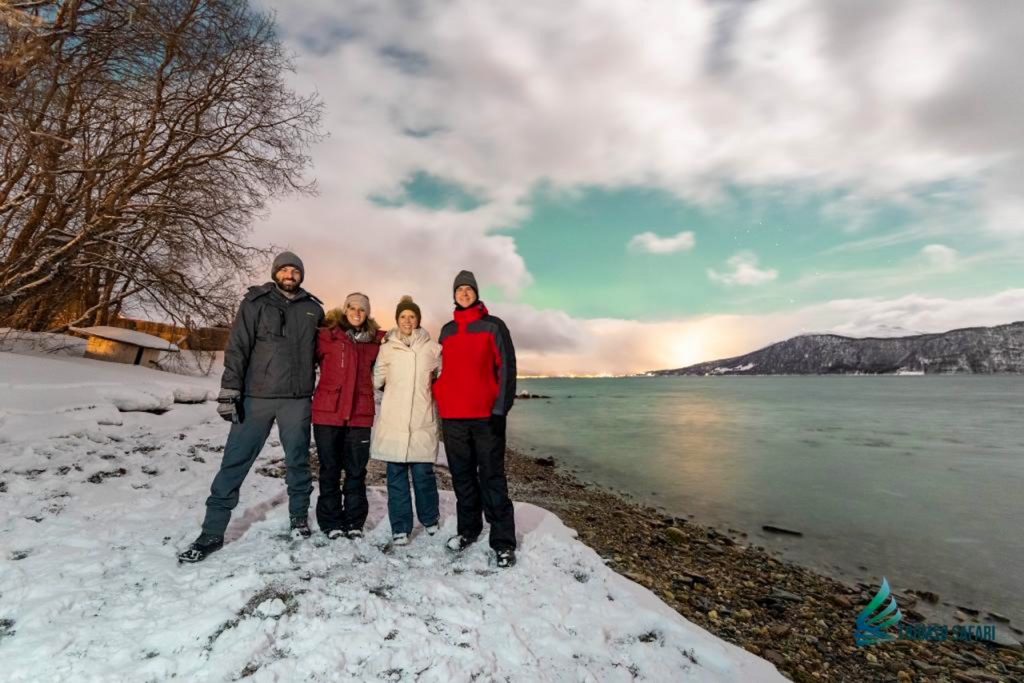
[269, 375]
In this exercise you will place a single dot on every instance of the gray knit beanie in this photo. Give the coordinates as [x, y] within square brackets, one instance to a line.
[358, 298]
[466, 277]
[287, 258]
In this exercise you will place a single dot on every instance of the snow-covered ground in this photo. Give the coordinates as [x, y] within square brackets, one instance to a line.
[98, 497]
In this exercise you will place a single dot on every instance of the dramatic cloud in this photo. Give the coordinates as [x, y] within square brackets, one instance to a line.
[915, 314]
[744, 271]
[651, 243]
[687, 95]
[866, 101]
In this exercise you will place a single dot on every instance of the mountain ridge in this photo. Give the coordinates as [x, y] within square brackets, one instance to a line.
[968, 350]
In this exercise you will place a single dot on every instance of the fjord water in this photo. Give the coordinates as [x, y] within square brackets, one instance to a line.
[918, 479]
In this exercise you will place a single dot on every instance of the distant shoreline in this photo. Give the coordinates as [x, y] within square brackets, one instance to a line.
[666, 374]
[660, 375]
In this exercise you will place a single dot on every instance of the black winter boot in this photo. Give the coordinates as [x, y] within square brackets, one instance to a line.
[506, 557]
[300, 528]
[459, 543]
[201, 548]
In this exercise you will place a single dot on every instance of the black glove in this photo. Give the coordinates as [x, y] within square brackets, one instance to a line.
[498, 423]
[229, 405]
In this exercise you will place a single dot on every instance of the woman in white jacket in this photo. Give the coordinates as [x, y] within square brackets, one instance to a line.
[407, 430]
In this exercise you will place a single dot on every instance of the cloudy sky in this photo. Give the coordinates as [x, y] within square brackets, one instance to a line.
[644, 184]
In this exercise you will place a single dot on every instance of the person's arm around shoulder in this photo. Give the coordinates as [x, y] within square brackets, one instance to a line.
[506, 367]
[447, 330]
[380, 366]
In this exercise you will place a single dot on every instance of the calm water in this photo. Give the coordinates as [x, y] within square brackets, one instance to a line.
[919, 479]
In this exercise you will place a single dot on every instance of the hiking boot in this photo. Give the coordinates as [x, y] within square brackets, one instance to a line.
[201, 548]
[459, 543]
[300, 528]
[432, 529]
[354, 534]
[335, 534]
[400, 539]
[505, 557]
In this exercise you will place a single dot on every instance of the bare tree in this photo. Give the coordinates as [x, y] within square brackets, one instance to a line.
[138, 140]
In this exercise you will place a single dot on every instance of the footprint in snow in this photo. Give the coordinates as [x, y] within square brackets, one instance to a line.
[99, 477]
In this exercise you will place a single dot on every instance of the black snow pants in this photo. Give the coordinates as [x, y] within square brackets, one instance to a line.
[342, 449]
[476, 460]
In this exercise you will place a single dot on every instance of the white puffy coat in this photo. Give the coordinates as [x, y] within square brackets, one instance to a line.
[407, 427]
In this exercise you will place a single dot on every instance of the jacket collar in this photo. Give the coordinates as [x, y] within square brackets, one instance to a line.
[339, 332]
[419, 337]
[270, 288]
[465, 316]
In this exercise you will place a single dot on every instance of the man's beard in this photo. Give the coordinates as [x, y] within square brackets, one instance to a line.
[287, 286]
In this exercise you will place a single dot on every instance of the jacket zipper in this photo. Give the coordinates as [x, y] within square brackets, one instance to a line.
[351, 404]
[412, 402]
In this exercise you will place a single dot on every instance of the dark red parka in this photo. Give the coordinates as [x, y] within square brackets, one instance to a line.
[478, 366]
[344, 395]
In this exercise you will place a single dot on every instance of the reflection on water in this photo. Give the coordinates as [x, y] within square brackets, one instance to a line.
[914, 478]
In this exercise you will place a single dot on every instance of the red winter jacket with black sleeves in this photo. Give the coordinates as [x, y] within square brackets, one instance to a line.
[478, 366]
[344, 395]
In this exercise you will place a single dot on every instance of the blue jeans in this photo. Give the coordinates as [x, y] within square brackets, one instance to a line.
[399, 504]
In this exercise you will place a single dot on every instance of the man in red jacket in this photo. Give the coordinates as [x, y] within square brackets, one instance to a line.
[474, 394]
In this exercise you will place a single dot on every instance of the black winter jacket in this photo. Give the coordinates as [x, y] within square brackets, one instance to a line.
[271, 352]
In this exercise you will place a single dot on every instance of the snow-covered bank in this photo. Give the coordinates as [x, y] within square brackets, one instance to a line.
[97, 501]
[44, 396]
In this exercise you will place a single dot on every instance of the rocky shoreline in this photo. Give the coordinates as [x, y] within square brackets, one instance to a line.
[800, 620]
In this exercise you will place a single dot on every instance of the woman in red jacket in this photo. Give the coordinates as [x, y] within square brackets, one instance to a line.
[343, 411]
